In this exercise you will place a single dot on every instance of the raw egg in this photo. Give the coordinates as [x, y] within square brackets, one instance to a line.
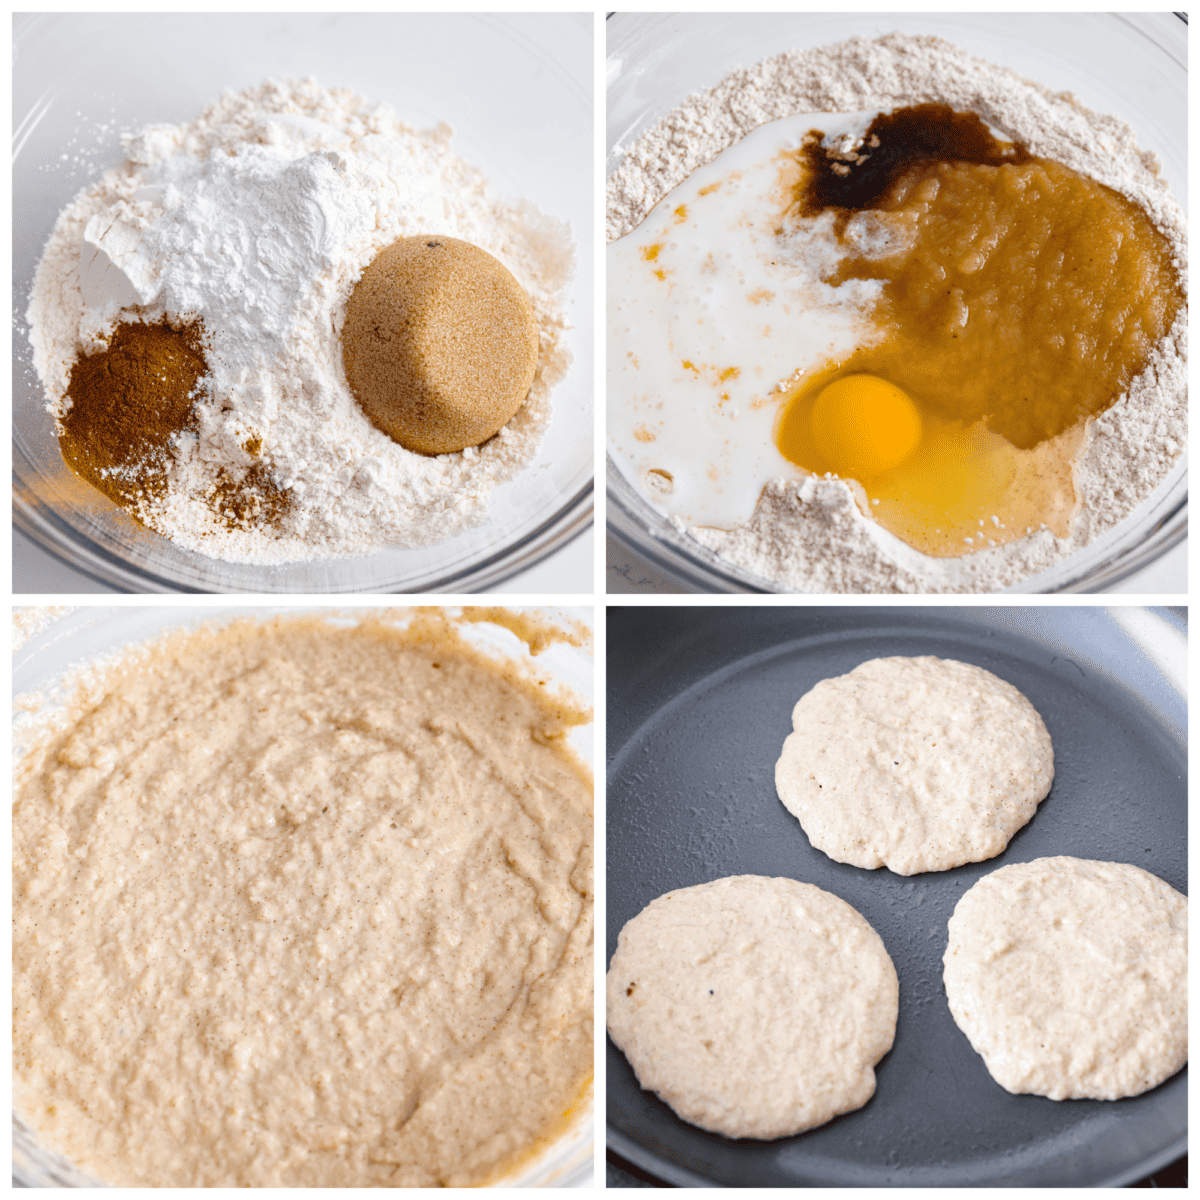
[864, 426]
[945, 486]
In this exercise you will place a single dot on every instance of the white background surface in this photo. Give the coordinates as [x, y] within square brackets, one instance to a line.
[569, 571]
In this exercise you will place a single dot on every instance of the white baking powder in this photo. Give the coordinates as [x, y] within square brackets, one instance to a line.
[259, 218]
[809, 534]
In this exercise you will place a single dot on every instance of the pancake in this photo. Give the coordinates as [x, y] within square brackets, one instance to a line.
[1069, 977]
[754, 1007]
[914, 764]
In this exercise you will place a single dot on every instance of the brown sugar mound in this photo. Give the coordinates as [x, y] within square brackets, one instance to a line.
[440, 344]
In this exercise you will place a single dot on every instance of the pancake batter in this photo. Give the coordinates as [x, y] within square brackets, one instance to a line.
[303, 906]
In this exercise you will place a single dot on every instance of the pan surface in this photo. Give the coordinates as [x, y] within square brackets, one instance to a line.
[700, 701]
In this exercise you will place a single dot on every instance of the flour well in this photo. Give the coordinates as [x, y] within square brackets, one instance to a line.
[260, 216]
[808, 534]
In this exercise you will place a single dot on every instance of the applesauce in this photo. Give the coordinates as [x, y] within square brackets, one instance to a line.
[1020, 298]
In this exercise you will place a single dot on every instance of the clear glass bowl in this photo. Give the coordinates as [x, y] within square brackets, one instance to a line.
[517, 91]
[1133, 66]
[79, 635]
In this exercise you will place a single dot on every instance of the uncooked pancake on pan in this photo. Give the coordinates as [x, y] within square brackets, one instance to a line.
[699, 703]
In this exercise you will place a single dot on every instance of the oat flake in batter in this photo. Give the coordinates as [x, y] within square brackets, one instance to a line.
[303, 906]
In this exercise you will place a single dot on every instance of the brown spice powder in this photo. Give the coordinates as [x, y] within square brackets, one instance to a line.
[129, 403]
[251, 501]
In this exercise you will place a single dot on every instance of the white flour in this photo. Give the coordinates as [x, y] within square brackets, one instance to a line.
[809, 534]
[260, 216]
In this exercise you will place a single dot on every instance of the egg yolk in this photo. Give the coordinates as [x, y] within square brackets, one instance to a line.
[864, 426]
[946, 487]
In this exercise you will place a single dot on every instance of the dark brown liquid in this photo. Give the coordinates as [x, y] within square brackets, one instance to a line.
[907, 138]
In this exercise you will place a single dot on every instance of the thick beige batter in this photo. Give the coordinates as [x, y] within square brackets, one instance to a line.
[305, 907]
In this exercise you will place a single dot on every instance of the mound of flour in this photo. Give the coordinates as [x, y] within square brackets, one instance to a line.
[259, 217]
[809, 534]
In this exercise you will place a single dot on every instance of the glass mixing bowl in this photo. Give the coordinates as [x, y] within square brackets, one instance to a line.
[1133, 66]
[517, 91]
[52, 642]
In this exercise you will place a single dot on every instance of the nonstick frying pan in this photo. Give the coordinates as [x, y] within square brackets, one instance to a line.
[699, 703]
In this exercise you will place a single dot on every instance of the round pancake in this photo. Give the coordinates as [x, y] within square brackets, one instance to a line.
[915, 764]
[754, 1007]
[1069, 977]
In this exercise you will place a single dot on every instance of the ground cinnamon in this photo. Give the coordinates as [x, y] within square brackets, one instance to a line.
[253, 500]
[128, 403]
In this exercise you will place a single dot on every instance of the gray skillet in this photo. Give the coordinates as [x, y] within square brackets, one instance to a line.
[699, 703]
